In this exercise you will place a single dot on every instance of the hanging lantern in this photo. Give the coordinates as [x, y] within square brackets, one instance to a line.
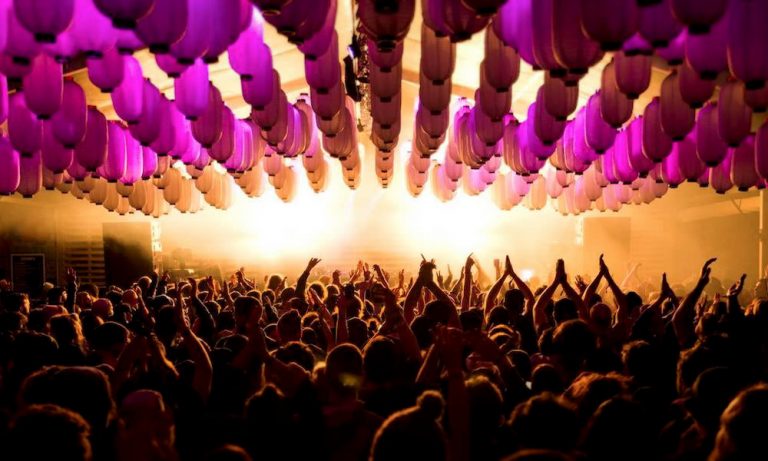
[206, 129]
[710, 147]
[513, 25]
[453, 18]
[385, 84]
[546, 127]
[316, 44]
[706, 53]
[558, 98]
[107, 71]
[599, 134]
[734, 116]
[199, 36]
[696, 15]
[44, 18]
[386, 22]
[572, 48]
[543, 49]
[163, 26]
[581, 150]
[165, 140]
[56, 157]
[324, 72]
[677, 117]
[501, 66]
[609, 22]
[149, 163]
[25, 131]
[23, 48]
[259, 92]
[224, 147]
[128, 105]
[43, 87]
[674, 52]
[720, 176]
[30, 175]
[748, 42]
[438, 56]
[622, 167]
[115, 162]
[10, 163]
[191, 90]
[633, 74]
[147, 128]
[688, 161]
[169, 65]
[124, 13]
[232, 17]
[245, 54]
[756, 99]
[743, 165]
[642, 164]
[693, 89]
[91, 31]
[134, 162]
[92, 150]
[615, 107]
[656, 143]
[657, 24]
[68, 124]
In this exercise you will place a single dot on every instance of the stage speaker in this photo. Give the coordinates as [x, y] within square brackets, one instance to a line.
[127, 252]
[609, 236]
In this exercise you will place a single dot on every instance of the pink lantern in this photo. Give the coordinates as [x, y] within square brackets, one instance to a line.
[3, 99]
[197, 39]
[657, 24]
[674, 52]
[92, 150]
[677, 117]
[386, 83]
[147, 128]
[165, 140]
[693, 89]
[164, 25]
[622, 166]
[273, 115]
[207, 127]
[609, 22]
[125, 13]
[259, 92]
[710, 148]
[128, 105]
[559, 99]
[581, 150]
[438, 56]
[495, 104]
[573, 49]
[599, 134]
[223, 149]
[22, 48]
[31, 175]
[642, 164]
[748, 42]
[169, 65]
[756, 99]
[734, 115]
[114, 164]
[706, 53]
[633, 74]
[247, 50]
[325, 71]
[698, 16]
[656, 143]
[386, 111]
[688, 161]
[44, 18]
[743, 165]
[43, 86]
[435, 97]
[720, 176]
[56, 157]
[91, 31]
[150, 162]
[191, 90]
[10, 163]
[107, 71]
[546, 127]
[452, 17]
[501, 65]
[513, 25]
[64, 50]
[68, 124]
[24, 129]
[385, 59]
[615, 107]
[315, 45]
[134, 161]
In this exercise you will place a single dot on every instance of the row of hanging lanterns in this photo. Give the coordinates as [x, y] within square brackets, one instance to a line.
[54, 139]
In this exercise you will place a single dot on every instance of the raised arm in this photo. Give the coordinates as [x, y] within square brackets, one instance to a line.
[685, 314]
[530, 299]
[622, 309]
[591, 289]
[71, 279]
[301, 283]
[493, 292]
[540, 321]
[573, 295]
[203, 375]
[466, 292]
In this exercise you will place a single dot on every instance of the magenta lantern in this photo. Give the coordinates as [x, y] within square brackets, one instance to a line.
[92, 150]
[513, 25]
[690, 166]
[677, 117]
[222, 149]
[170, 65]
[31, 175]
[599, 134]
[674, 52]
[386, 83]
[547, 128]
[125, 98]
[165, 141]
[91, 31]
[707, 53]
[147, 129]
[720, 176]
[543, 50]
[68, 124]
[107, 71]
[56, 157]
[22, 48]
[710, 148]
[581, 149]
[622, 166]
[642, 164]
[44, 18]
[656, 143]
[324, 72]
[657, 24]
[698, 15]
[670, 169]
[114, 165]
[743, 165]
[635, 45]
[134, 161]
[24, 129]
[9, 167]
[452, 17]
[125, 13]
[247, 50]
[163, 26]
[734, 115]
[693, 89]
[494, 103]
[756, 99]
[227, 13]
[207, 128]
[609, 22]
[384, 59]
[633, 73]
[259, 91]
[149, 162]
[573, 49]
[191, 90]
[501, 65]
[195, 42]
[3, 99]
[615, 106]
[317, 44]
[43, 86]
[748, 42]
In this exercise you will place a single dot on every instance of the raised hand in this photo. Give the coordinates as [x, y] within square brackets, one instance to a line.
[735, 289]
[313, 262]
[71, 276]
[508, 266]
[560, 275]
[470, 261]
[497, 266]
[706, 270]
[426, 271]
[603, 267]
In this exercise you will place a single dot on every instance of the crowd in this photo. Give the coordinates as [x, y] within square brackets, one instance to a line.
[373, 367]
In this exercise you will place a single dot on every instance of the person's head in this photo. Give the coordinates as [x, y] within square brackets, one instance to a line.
[244, 305]
[344, 371]
[589, 390]
[640, 361]
[573, 342]
[712, 392]
[743, 426]
[66, 329]
[422, 327]
[413, 433]
[514, 301]
[298, 353]
[601, 317]
[56, 296]
[319, 289]
[619, 429]
[546, 379]
[103, 308]
[48, 432]
[109, 339]
[485, 406]
[381, 360]
[289, 326]
[564, 310]
[471, 320]
[85, 390]
[438, 311]
[545, 422]
[15, 302]
[358, 331]
[498, 316]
